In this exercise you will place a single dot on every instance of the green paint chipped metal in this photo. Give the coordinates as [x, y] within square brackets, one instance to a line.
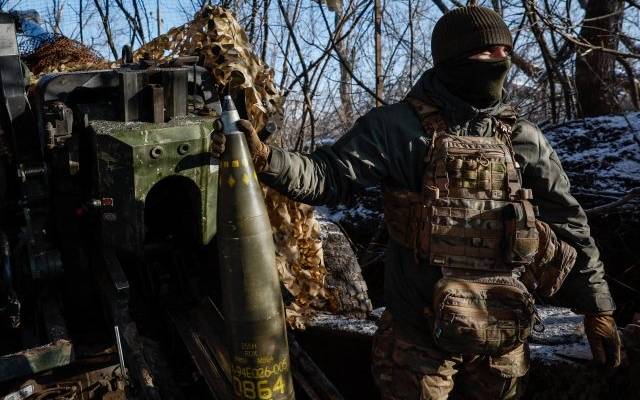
[134, 157]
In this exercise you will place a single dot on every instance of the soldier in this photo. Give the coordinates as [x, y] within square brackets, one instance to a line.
[498, 206]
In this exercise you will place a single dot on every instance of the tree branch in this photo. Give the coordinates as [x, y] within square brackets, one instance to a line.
[440, 4]
[104, 16]
[625, 199]
[633, 86]
[346, 64]
[305, 85]
[331, 45]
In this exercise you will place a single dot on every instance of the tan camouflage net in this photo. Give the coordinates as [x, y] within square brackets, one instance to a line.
[299, 257]
[215, 35]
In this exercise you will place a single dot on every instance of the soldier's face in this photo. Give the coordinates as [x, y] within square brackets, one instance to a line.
[491, 53]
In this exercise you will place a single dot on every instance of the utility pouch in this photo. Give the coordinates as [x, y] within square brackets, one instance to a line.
[554, 260]
[521, 236]
[488, 316]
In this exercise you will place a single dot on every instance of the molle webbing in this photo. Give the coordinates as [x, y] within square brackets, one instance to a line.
[471, 212]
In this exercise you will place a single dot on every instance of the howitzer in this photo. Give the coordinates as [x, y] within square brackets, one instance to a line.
[109, 222]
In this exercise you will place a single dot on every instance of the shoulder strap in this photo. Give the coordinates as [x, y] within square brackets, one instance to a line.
[432, 125]
[429, 116]
[433, 122]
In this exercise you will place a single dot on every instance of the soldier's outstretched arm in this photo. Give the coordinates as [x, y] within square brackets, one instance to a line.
[330, 174]
[585, 289]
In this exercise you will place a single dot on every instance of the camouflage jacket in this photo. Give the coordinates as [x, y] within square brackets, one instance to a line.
[387, 146]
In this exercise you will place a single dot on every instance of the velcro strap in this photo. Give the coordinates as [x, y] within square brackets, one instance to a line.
[462, 232]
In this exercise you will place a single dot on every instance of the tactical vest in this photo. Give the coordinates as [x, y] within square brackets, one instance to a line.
[471, 212]
[474, 221]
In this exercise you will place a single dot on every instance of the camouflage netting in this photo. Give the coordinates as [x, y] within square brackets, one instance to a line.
[62, 54]
[299, 258]
[215, 35]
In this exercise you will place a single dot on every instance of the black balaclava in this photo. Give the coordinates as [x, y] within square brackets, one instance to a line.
[478, 82]
[461, 33]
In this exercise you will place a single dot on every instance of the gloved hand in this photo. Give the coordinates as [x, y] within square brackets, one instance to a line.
[552, 263]
[259, 150]
[603, 337]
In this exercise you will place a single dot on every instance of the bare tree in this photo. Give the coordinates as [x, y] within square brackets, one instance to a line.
[103, 10]
[55, 12]
[134, 21]
[330, 71]
[595, 70]
[5, 3]
[265, 32]
[378, 41]
[342, 48]
[306, 84]
[553, 71]
[80, 20]
[497, 6]
[251, 28]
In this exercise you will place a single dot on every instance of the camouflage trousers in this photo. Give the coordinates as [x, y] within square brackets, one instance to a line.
[409, 369]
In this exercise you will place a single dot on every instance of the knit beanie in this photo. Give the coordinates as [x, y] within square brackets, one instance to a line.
[466, 29]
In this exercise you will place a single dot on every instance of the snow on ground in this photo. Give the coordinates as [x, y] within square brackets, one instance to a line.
[563, 339]
[601, 153]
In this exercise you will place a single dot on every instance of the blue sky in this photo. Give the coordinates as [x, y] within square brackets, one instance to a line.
[171, 14]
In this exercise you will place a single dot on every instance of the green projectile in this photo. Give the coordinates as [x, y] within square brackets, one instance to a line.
[252, 300]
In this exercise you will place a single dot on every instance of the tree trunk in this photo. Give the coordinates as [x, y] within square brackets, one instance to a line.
[346, 109]
[411, 42]
[595, 70]
[81, 23]
[251, 30]
[104, 17]
[378, 40]
[497, 6]
[265, 32]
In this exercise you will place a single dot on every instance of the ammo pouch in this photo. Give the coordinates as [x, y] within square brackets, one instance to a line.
[437, 229]
[552, 264]
[488, 315]
[520, 233]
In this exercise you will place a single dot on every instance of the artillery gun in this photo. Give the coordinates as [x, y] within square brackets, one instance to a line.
[108, 201]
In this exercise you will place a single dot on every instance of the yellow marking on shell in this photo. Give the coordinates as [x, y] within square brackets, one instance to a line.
[255, 176]
[245, 179]
[231, 182]
[235, 163]
[225, 164]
